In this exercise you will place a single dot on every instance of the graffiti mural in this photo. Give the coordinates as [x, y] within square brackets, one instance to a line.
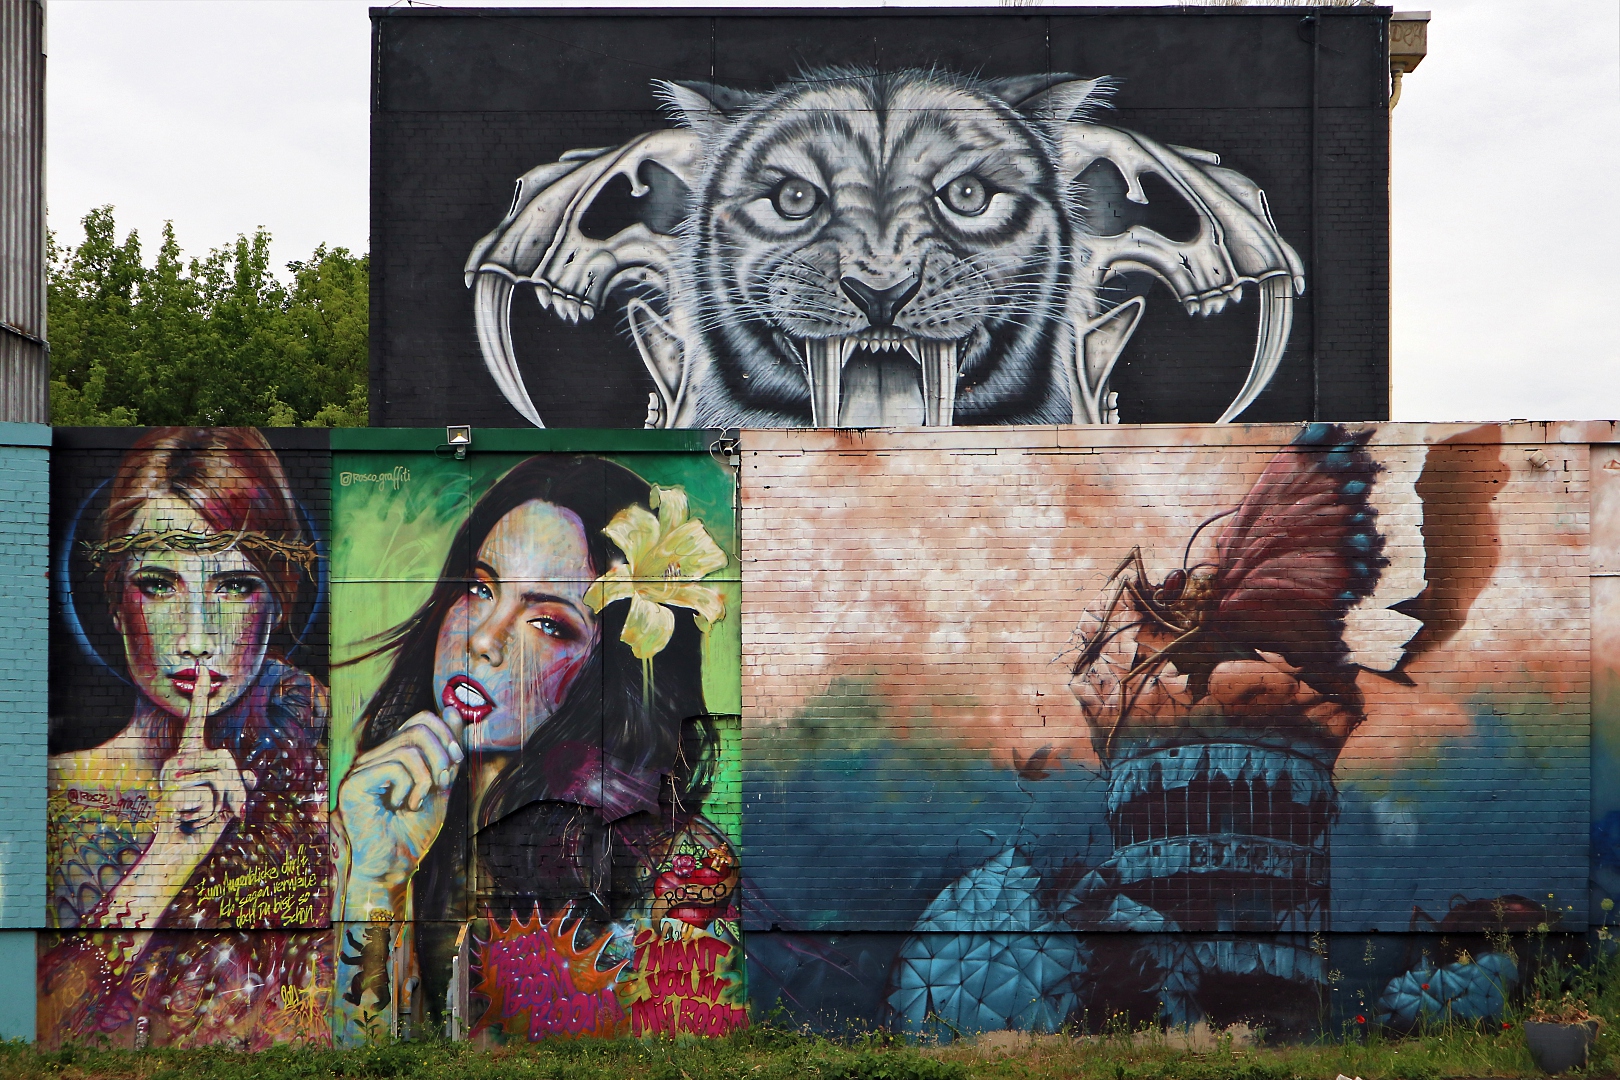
[856, 249]
[1288, 713]
[1217, 699]
[536, 685]
[187, 840]
[1026, 728]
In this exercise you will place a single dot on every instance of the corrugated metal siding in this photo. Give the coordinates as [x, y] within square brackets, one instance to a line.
[24, 362]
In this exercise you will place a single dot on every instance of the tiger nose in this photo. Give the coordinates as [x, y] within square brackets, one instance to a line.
[880, 305]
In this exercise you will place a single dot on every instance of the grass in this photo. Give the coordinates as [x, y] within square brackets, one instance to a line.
[772, 1054]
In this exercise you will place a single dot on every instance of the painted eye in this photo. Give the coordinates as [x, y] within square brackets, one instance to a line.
[241, 587]
[481, 591]
[554, 628]
[1175, 583]
[796, 199]
[967, 195]
[154, 586]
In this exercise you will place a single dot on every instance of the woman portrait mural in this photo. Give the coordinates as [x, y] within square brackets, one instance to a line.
[195, 818]
[530, 772]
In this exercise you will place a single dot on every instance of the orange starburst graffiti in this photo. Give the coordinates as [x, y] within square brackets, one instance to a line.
[541, 984]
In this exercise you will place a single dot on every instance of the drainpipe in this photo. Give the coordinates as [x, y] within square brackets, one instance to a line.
[1408, 45]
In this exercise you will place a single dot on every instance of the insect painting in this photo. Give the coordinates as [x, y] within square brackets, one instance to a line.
[1288, 566]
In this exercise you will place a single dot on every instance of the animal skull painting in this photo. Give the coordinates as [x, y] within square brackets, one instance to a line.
[854, 249]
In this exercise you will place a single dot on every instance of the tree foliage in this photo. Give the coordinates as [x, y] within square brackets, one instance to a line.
[217, 340]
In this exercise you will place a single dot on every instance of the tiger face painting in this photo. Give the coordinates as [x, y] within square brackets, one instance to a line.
[882, 251]
[862, 249]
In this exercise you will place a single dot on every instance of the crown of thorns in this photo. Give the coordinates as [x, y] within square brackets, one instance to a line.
[293, 551]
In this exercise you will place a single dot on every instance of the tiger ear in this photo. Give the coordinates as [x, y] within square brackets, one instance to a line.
[703, 107]
[1058, 96]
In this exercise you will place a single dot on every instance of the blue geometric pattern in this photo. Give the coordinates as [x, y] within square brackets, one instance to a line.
[985, 956]
[1473, 991]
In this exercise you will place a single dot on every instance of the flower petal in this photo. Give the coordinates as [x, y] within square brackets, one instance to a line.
[636, 531]
[670, 502]
[690, 550]
[647, 628]
[616, 584]
[707, 602]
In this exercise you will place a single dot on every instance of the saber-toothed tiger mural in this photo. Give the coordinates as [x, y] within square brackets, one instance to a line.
[863, 249]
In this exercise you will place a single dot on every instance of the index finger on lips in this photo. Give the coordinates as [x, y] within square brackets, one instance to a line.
[191, 739]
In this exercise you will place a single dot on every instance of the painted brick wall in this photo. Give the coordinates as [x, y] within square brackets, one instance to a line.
[913, 605]
[1309, 125]
[251, 908]
[24, 546]
[939, 813]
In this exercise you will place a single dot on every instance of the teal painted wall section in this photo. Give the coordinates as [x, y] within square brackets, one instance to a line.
[24, 551]
[17, 999]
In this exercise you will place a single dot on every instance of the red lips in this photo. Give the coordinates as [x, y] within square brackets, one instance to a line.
[186, 681]
[469, 699]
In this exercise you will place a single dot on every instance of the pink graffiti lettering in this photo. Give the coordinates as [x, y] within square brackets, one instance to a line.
[685, 980]
[134, 805]
[537, 980]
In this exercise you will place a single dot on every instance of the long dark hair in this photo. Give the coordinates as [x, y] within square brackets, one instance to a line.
[656, 725]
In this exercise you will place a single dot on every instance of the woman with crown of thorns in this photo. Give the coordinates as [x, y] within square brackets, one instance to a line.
[215, 782]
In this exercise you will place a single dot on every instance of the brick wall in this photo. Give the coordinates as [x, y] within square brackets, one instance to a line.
[1308, 125]
[912, 606]
[24, 544]
[927, 791]
[24, 515]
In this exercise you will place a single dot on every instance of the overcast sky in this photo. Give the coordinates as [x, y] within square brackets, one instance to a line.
[224, 116]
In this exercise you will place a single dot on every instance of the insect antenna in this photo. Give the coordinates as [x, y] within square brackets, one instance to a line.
[1187, 554]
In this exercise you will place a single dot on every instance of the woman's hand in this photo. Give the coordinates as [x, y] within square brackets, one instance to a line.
[392, 805]
[200, 792]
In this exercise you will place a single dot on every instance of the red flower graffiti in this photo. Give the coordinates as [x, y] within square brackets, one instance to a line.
[696, 895]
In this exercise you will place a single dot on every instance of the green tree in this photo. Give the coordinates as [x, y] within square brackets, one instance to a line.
[216, 340]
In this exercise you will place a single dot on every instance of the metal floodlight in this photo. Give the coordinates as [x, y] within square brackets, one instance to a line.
[460, 437]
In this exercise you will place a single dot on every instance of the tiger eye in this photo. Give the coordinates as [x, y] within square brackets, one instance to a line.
[795, 199]
[967, 195]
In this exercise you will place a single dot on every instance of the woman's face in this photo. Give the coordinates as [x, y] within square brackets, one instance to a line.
[179, 611]
[512, 645]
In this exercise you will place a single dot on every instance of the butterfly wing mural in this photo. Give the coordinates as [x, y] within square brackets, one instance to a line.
[1218, 697]
[794, 258]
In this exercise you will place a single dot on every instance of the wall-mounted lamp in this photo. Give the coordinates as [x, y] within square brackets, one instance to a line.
[459, 436]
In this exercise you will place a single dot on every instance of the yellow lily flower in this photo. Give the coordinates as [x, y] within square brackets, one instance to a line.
[665, 556]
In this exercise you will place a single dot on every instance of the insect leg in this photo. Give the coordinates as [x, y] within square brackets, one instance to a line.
[1134, 673]
[1088, 654]
[1145, 604]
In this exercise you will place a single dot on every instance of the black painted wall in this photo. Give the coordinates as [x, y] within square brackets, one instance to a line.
[466, 101]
